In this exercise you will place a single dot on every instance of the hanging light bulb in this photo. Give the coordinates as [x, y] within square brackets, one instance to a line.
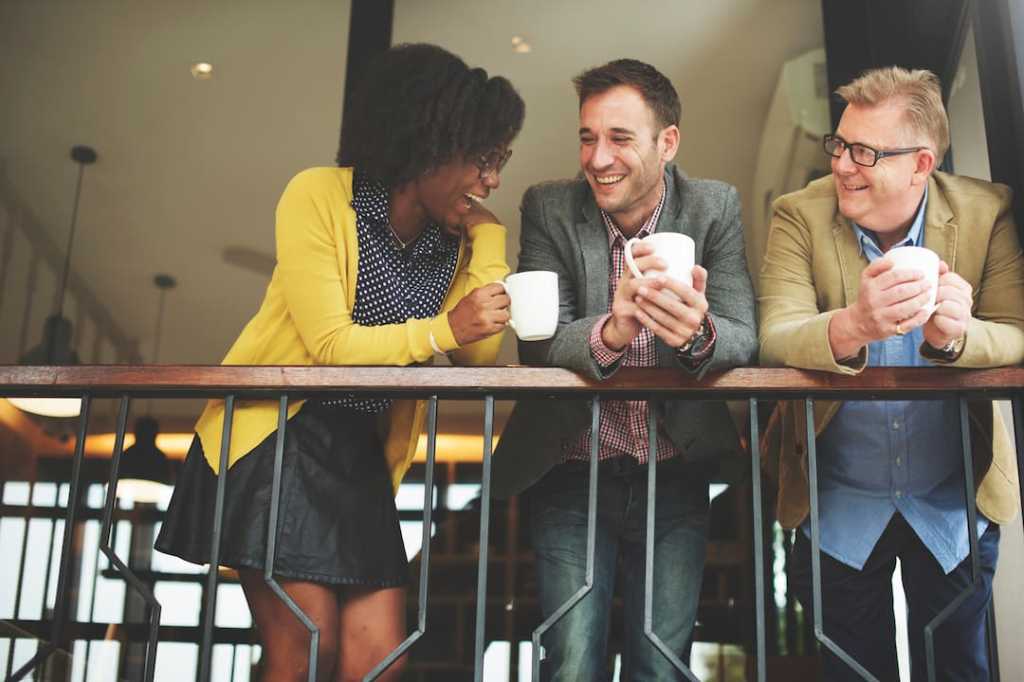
[55, 347]
[145, 472]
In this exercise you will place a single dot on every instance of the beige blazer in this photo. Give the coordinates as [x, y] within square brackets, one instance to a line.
[812, 268]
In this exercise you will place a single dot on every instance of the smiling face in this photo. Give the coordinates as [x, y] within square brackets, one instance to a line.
[883, 197]
[446, 194]
[623, 154]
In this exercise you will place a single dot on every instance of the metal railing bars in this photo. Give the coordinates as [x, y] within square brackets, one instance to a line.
[21, 572]
[107, 548]
[1017, 405]
[588, 579]
[755, 503]
[428, 520]
[485, 523]
[49, 560]
[61, 608]
[972, 536]
[819, 617]
[210, 598]
[489, 384]
[272, 531]
[652, 495]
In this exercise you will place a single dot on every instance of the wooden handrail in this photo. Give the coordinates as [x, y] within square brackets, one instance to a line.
[501, 382]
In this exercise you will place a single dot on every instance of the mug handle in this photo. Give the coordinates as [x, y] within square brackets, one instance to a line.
[629, 258]
[507, 293]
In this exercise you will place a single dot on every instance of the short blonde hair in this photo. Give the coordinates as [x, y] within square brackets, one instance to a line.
[919, 90]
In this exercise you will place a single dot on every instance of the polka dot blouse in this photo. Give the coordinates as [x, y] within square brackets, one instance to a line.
[395, 282]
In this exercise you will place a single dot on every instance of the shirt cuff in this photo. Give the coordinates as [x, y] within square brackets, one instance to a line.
[603, 355]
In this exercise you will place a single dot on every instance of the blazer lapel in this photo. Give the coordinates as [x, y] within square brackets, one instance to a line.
[940, 228]
[848, 253]
[593, 238]
[672, 219]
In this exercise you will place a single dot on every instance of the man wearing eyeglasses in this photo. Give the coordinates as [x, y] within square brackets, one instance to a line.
[890, 473]
[608, 319]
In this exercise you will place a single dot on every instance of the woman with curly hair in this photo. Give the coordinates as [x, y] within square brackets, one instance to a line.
[384, 260]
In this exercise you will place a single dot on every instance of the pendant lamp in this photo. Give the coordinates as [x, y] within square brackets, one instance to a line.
[145, 472]
[55, 347]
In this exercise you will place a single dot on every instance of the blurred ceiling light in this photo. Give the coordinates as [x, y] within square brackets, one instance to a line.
[520, 45]
[202, 71]
[49, 407]
[145, 473]
[55, 347]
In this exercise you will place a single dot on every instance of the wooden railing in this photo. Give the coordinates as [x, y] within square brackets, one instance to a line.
[502, 382]
[487, 384]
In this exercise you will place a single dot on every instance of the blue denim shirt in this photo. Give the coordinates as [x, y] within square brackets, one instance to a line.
[878, 457]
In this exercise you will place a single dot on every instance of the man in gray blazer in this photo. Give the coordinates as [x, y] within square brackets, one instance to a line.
[629, 115]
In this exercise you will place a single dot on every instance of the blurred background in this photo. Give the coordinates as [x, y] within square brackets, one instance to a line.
[158, 250]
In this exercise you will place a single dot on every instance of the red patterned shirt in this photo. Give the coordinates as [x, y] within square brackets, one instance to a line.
[623, 423]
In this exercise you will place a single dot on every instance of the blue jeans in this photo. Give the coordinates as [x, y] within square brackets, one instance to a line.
[858, 612]
[576, 646]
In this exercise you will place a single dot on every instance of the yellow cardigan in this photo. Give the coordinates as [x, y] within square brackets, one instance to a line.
[306, 319]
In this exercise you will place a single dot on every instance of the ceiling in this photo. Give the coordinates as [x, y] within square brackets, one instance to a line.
[188, 168]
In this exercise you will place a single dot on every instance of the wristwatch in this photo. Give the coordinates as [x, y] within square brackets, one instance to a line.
[700, 345]
[954, 347]
[951, 351]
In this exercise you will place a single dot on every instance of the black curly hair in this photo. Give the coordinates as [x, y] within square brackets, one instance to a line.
[419, 107]
[653, 86]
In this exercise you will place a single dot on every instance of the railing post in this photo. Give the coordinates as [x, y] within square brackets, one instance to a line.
[972, 536]
[428, 521]
[755, 493]
[485, 522]
[210, 605]
[21, 573]
[60, 609]
[108, 550]
[1017, 404]
[652, 494]
[812, 475]
[268, 564]
[588, 579]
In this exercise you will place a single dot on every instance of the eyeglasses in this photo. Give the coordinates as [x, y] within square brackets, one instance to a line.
[861, 154]
[492, 162]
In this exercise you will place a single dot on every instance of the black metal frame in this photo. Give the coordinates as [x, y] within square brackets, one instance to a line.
[62, 606]
[107, 549]
[972, 525]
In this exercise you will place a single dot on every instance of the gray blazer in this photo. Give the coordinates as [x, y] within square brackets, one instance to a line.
[562, 230]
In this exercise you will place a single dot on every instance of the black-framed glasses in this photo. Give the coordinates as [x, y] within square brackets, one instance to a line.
[861, 154]
[492, 162]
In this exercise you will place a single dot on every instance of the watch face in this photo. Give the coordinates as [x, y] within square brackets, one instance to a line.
[699, 344]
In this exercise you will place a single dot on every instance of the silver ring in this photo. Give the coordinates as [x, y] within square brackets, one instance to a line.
[900, 331]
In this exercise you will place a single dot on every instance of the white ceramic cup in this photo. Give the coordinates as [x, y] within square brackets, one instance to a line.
[534, 306]
[675, 249]
[918, 258]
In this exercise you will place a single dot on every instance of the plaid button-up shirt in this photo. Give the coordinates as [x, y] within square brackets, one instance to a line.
[623, 423]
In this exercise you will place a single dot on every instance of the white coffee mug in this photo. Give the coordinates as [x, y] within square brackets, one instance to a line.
[675, 249]
[534, 306]
[918, 258]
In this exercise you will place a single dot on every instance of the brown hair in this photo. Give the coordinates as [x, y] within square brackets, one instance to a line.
[655, 88]
[918, 90]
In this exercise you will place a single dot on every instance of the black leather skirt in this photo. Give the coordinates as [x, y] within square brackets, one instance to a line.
[337, 522]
